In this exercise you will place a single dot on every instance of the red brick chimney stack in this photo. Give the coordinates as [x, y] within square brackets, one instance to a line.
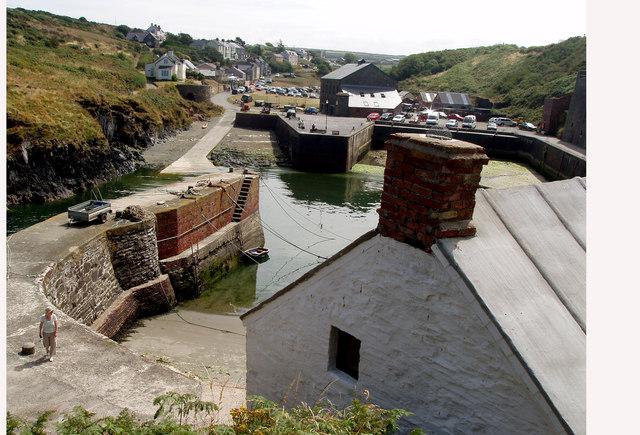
[429, 189]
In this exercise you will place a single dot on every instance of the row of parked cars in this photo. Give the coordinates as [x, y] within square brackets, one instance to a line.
[306, 92]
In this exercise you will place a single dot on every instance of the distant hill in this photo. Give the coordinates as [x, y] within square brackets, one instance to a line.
[77, 97]
[515, 79]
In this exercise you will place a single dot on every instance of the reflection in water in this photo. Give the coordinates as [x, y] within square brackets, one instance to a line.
[319, 213]
[230, 292]
[355, 191]
[22, 216]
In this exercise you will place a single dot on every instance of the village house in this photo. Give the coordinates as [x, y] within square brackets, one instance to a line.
[278, 57]
[290, 56]
[466, 306]
[152, 37]
[233, 73]
[452, 101]
[167, 66]
[207, 69]
[251, 70]
[358, 89]
[303, 54]
[201, 44]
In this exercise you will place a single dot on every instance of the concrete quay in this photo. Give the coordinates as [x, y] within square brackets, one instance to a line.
[88, 369]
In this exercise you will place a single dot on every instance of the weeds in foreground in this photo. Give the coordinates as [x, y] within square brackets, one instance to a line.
[261, 416]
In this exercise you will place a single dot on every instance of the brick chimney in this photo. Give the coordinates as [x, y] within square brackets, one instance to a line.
[429, 188]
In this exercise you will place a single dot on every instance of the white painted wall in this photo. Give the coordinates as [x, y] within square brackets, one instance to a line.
[426, 347]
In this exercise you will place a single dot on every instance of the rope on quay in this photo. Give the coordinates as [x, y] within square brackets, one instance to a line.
[275, 233]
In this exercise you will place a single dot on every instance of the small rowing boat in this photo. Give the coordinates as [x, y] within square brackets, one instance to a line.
[257, 253]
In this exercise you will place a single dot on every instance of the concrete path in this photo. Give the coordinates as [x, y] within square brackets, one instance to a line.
[195, 160]
[89, 369]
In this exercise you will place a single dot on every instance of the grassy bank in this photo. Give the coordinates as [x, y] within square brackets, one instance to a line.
[515, 79]
[56, 65]
[75, 97]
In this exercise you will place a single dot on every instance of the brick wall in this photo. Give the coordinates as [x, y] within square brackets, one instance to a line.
[192, 220]
[429, 189]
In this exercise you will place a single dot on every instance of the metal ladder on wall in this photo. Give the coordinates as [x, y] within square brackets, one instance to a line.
[242, 199]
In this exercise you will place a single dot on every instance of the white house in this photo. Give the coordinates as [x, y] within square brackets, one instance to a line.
[473, 326]
[208, 69]
[166, 66]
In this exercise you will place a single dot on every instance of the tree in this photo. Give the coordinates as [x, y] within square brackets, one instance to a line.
[185, 38]
[280, 46]
[123, 30]
[240, 41]
[350, 58]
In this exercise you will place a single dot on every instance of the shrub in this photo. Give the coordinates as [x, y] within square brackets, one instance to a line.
[174, 78]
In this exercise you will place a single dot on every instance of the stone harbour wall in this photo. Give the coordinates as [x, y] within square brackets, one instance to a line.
[148, 299]
[134, 252]
[84, 283]
[94, 278]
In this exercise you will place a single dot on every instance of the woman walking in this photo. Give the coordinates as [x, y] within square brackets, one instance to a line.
[49, 332]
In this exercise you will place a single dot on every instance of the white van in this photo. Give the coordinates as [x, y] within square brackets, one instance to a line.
[433, 118]
[469, 121]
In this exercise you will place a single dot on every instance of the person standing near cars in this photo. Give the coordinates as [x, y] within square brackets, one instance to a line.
[49, 332]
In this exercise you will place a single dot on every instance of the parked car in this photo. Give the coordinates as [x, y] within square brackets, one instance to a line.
[386, 116]
[242, 89]
[527, 126]
[455, 116]
[373, 116]
[452, 123]
[398, 118]
[246, 98]
[311, 110]
[433, 118]
[469, 121]
[506, 122]
[492, 126]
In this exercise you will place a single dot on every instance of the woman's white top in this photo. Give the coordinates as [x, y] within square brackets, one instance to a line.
[48, 326]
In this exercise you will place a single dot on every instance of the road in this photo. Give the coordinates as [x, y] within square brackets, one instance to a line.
[195, 161]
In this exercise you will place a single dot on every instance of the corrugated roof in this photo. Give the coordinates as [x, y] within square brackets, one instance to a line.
[345, 70]
[527, 265]
[454, 98]
[372, 97]
[427, 97]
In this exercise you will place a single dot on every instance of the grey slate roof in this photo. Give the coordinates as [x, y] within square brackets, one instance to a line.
[344, 71]
[527, 264]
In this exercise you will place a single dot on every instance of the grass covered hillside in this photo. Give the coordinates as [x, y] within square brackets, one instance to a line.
[515, 79]
[73, 89]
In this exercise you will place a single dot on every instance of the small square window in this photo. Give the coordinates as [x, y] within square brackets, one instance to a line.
[344, 352]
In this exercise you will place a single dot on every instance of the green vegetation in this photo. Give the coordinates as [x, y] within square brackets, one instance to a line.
[62, 72]
[185, 414]
[515, 79]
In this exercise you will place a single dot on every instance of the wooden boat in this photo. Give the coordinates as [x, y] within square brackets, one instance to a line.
[257, 253]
